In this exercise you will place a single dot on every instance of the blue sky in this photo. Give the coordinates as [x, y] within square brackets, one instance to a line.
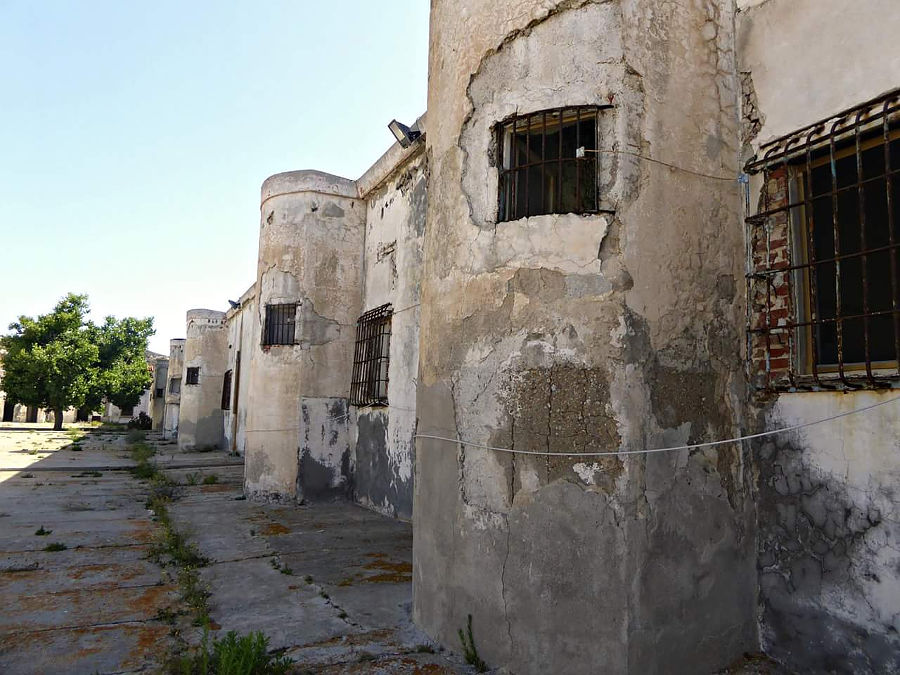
[134, 137]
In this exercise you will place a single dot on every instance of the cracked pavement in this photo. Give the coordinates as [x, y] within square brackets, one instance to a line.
[329, 584]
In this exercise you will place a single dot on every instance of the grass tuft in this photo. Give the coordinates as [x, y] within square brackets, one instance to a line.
[41, 532]
[55, 546]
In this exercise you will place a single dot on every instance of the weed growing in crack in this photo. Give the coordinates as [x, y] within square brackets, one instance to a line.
[55, 546]
[234, 655]
[308, 579]
[470, 652]
[424, 649]
[192, 478]
[211, 479]
[41, 532]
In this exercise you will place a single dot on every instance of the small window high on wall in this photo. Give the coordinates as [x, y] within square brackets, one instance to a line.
[548, 163]
[280, 323]
[369, 382]
[192, 376]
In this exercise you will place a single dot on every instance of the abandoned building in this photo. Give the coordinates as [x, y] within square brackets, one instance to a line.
[648, 226]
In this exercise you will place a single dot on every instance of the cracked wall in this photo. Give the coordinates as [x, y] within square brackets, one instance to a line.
[200, 424]
[310, 253]
[173, 398]
[243, 335]
[827, 496]
[395, 226]
[564, 333]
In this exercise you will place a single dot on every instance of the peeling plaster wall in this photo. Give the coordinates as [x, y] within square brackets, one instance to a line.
[310, 253]
[575, 334]
[200, 423]
[243, 337]
[173, 401]
[828, 501]
[384, 444]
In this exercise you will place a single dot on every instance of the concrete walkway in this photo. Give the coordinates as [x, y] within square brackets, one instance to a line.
[329, 584]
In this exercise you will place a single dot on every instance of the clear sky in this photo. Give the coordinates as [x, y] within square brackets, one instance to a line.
[134, 137]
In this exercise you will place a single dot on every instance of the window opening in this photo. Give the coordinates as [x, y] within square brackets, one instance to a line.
[824, 265]
[193, 376]
[175, 386]
[127, 410]
[226, 390]
[369, 381]
[548, 163]
[279, 325]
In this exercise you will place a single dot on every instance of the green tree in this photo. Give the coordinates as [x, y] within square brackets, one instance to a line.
[60, 360]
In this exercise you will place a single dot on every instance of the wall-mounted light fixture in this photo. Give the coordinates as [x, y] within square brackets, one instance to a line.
[404, 134]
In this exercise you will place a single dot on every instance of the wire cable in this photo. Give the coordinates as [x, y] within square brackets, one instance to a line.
[673, 448]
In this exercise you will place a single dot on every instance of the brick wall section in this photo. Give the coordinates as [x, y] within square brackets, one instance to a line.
[770, 299]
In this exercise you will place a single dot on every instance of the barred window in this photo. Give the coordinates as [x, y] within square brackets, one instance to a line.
[823, 302]
[548, 163]
[175, 386]
[193, 376]
[369, 382]
[279, 325]
[226, 390]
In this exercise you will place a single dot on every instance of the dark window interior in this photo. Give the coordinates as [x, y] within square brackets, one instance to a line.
[369, 382]
[175, 386]
[541, 171]
[193, 376]
[279, 325]
[850, 231]
[226, 390]
[127, 411]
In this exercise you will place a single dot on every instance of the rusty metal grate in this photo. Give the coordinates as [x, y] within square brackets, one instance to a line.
[369, 381]
[548, 163]
[279, 324]
[823, 260]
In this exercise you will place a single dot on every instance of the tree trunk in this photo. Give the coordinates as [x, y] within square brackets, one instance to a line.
[57, 419]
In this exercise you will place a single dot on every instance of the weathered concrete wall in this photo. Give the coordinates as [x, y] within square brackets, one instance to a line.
[173, 398]
[160, 380]
[576, 334]
[395, 226]
[243, 337]
[200, 422]
[828, 533]
[310, 253]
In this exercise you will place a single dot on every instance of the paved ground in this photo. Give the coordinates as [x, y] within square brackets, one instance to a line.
[329, 584]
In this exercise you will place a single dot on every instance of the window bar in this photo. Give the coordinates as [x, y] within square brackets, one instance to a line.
[786, 276]
[813, 269]
[838, 305]
[502, 197]
[513, 175]
[767, 228]
[861, 206]
[528, 162]
[559, 168]
[543, 160]
[578, 205]
[895, 303]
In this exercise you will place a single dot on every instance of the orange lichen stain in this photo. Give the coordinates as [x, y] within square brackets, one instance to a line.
[273, 529]
[397, 568]
[376, 555]
[142, 531]
[151, 599]
[216, 488]
[387, 579]
[214, 626]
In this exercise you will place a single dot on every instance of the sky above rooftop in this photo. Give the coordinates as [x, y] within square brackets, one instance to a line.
[134, 138]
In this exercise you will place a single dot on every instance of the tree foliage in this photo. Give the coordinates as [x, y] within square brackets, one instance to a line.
[61, 360]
